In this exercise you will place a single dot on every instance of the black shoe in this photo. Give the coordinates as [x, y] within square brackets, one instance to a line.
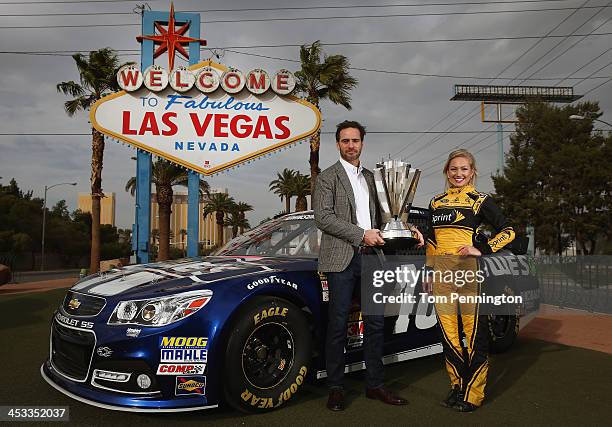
[464, 406]
[335, 401]
[451, 399]
[385, 395]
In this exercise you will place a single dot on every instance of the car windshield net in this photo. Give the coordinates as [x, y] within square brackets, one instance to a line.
[292, 236]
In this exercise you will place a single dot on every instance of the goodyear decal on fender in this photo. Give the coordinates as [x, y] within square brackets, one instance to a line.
[271, 280]
[272, 311]
[180, 368]
[194, 384]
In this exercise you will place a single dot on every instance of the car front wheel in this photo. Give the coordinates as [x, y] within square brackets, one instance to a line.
[267, 356]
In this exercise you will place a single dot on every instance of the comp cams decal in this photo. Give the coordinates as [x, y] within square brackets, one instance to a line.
[270, 402]
[180, 368]
[194, 384]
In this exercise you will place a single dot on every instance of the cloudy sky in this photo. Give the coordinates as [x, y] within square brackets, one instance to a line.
[518, 45]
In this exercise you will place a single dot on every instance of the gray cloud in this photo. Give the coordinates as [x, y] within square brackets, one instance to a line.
[30, 103]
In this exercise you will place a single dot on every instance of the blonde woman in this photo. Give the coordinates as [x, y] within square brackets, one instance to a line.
[455, 215]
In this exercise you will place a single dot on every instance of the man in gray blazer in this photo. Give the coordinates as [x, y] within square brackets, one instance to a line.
[346, 211]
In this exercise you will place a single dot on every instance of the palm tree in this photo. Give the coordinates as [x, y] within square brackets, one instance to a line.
[183, 234]
[318, 80]
[154, 236]
[242, 208]
[300, 187]
[97, 75]
[280, 186]
[165, 175]
[219, 204]
[236, 221]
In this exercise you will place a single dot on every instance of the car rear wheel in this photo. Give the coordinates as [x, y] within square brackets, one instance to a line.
[503, 330]
[267, 355]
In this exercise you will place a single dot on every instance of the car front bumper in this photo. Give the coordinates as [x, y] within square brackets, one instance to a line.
[86, 393]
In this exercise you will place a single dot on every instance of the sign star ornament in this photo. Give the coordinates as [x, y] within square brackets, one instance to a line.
[206, 117]
[171, 39]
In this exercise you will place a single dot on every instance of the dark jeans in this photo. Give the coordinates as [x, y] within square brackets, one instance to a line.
[341, 286]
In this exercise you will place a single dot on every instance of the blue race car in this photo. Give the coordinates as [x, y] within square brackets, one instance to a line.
[245, 326]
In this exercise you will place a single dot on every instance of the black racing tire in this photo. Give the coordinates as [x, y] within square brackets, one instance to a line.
[503, 330]
[267, 356]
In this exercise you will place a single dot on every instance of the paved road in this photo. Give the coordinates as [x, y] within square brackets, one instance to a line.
[40, 276]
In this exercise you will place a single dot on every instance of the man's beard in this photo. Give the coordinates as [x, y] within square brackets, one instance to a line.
[349, 157]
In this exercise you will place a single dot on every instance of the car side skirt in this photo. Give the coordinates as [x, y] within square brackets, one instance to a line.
[391, 358]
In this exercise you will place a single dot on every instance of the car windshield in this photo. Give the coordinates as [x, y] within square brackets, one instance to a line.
[293, 235]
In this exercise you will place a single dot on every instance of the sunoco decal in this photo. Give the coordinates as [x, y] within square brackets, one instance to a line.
[195, 384]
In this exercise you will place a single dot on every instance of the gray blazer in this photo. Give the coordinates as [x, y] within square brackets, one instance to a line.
[335, 215]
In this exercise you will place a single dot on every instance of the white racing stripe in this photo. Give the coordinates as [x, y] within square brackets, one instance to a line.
[96, 279]
[124, 283]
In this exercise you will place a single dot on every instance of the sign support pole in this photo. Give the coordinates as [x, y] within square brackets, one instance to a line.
[500, 140]
[193, 214]
[193, 184]
[500, 143]
[143, 167]
[143, 161]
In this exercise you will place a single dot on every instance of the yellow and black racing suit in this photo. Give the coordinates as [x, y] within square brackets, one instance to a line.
[454, 218]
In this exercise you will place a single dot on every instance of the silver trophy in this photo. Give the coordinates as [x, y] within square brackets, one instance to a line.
[396, 184]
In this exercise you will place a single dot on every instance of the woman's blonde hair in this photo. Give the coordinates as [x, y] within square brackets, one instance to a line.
[460, 153]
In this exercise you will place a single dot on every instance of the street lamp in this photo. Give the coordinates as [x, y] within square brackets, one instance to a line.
[580, 117]
[42, 255]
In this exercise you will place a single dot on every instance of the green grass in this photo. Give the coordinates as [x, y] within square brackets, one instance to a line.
[535, 383]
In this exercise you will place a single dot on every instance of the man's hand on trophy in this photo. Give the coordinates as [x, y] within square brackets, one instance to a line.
[419, 236]
[427, 284]
[373, 238]
[469, 250]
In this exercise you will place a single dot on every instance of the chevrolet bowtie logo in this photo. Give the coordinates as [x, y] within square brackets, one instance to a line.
[74, 304]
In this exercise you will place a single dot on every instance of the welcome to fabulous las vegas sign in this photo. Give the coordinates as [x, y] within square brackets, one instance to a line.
[206, 117]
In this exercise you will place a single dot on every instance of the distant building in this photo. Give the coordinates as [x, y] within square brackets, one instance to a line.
[178, 221]
[107, 207]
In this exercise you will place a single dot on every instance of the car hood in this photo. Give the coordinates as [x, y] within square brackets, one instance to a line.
[172, 276]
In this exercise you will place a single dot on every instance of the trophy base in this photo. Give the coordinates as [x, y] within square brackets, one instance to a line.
[398, 236]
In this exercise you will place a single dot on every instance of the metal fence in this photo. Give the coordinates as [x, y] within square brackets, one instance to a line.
[581, 282]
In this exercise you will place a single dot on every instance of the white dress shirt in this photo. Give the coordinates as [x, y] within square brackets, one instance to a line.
[361, 193]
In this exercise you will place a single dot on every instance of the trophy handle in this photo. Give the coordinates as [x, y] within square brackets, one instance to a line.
[407, 202]
[381, 188]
